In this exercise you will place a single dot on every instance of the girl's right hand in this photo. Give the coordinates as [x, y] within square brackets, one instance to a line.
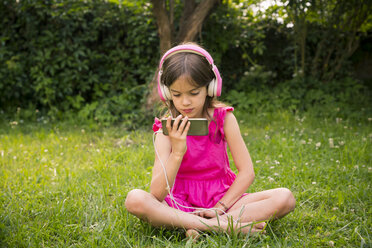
[177, 134]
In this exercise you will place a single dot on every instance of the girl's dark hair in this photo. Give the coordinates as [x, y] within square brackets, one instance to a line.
[196, 68]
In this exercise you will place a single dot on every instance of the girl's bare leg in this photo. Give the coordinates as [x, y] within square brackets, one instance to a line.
[263, 205]
[145, 206]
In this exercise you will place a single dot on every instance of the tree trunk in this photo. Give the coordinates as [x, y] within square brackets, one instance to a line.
[164, 24]
[190, 23]
[193, 22]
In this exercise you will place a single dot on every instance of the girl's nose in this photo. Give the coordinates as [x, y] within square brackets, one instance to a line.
[186, 101]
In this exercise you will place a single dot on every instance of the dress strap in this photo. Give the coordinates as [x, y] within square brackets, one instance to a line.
[217, 133]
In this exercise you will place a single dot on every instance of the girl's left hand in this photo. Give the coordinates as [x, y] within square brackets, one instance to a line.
[212, 213]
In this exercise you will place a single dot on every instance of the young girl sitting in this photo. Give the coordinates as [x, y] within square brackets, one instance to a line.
[192, 185]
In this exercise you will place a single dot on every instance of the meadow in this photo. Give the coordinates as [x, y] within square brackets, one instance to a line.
[64, 184]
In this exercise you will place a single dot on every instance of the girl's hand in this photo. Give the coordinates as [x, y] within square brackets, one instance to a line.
[212, 213]
[178, 133]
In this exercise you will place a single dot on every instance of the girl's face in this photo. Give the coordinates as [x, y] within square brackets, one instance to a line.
[187, 98]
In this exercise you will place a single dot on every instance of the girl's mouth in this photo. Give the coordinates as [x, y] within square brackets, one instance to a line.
[187, 110]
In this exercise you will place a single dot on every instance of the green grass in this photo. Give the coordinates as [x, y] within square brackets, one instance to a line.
[64, 185]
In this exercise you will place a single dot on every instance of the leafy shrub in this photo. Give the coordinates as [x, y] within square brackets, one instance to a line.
[341, 98]
[76, 55]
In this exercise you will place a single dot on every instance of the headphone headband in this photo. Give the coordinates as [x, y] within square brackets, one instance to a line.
[186, 49]
[215, 86]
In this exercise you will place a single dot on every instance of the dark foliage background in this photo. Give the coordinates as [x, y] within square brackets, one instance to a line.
[89, 58]
[93, 60]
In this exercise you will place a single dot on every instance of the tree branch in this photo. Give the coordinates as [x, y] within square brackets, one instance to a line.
[192, 25]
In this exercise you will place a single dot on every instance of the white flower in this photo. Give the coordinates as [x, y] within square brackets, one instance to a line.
[313, 182]
[331, 144]
[258, 161]
[318, 144]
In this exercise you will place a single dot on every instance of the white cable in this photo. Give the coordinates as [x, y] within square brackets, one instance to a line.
[170, 189]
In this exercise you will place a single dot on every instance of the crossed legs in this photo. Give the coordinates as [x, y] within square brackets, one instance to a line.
[146, 207]
[257, 207]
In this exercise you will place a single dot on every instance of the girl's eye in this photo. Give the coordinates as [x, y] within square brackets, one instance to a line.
[176, 95]
[195, 93]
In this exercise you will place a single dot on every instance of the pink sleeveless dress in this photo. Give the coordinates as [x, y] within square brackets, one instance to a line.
[204, 175]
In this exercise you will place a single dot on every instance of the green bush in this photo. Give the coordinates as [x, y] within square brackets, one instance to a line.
[62, 56]
[342, 98]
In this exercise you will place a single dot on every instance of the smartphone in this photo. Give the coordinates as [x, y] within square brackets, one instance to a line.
[198, 126]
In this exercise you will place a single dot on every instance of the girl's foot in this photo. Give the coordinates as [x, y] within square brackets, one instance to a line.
[193, 234]
[249, 228]
[240, 227]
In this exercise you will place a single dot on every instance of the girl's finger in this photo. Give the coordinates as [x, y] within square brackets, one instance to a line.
[186, 130]
[184, 123]
[176, 123]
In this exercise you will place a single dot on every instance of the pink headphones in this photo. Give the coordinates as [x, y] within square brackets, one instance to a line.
[214, 87]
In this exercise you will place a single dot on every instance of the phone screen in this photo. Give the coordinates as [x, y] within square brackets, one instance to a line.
[198, 126]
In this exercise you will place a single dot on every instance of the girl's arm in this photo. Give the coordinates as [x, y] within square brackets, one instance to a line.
[171, 150]
[241, 159]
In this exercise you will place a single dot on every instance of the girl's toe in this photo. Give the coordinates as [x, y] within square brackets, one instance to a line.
[192, 233]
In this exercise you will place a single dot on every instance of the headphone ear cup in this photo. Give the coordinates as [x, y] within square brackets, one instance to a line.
[167, 94]
[218, 82]
[163, 90]
[212, 88]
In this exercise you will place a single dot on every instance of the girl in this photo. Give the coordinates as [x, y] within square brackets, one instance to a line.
[192, 185]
